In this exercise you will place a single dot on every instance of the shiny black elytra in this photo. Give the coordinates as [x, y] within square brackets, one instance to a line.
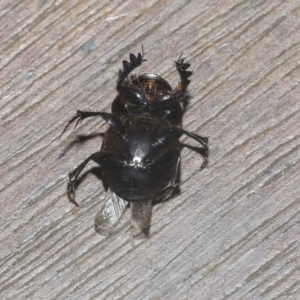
[140, 152]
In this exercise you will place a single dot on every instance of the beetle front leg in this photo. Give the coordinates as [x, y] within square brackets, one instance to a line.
[134, 97]
[182, 67]
[178, 95]
[164, 102]
[74, 175]
[128, 67]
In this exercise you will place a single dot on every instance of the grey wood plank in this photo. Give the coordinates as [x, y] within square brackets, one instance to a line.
[233, 231]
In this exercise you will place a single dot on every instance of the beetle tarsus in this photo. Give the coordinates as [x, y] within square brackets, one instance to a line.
[71, 193]
[73, 178]
[111, 119]
[77, 117]
[205, 156]
[204, 162]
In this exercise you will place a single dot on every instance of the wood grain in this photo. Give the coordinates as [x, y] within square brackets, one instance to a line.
[233, 232]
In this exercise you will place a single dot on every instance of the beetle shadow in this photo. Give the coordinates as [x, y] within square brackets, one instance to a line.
[79, 139]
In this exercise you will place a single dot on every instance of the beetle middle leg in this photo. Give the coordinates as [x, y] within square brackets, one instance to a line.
[203, 141]
[182, 67]
[178, 95]
[111, 119]
[173, 184]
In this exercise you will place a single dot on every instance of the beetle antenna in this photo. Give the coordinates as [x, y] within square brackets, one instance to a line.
[139, 70]
[142, 52]
[181, 54]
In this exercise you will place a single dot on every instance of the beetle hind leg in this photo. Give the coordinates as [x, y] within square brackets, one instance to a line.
[74, 175]
[173, 184]
[205, 156]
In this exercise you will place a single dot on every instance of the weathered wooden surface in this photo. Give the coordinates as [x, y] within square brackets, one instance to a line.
[233, 232]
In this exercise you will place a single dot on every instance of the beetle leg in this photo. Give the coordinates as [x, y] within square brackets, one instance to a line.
[74, 175]
[182, 67]
[177, 95]
[168, 136]
[128, 67]
[111, 119]
[203, 141]
[175, 180]
[167, 101]
[135, 96]
[173, 133]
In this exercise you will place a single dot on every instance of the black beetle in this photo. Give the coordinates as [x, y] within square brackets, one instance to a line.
[140, 152]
